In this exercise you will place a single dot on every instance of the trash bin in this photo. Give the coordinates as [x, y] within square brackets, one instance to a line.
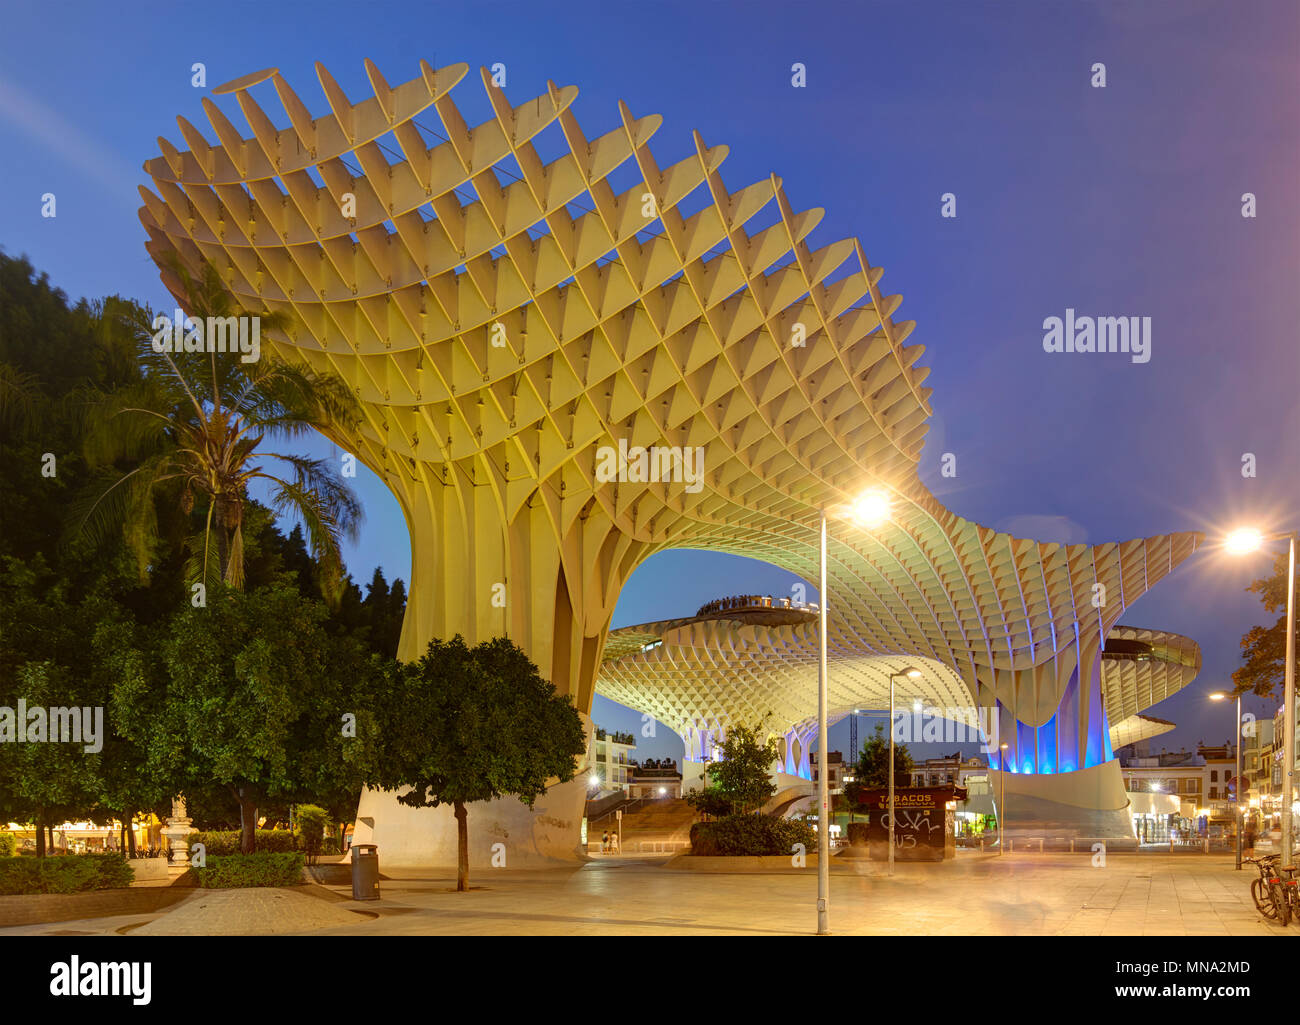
[365, 871]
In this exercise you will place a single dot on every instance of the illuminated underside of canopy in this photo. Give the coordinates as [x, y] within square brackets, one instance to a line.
[702, 674]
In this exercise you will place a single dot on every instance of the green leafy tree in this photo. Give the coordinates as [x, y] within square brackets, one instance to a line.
[45, 783]
[872, 770]
[62, 649]
[311, 826]
[1263, 648]
[252, 700]
[130, 783]
[384, 609]
[79, 619]
[741, 780]
[476, 724]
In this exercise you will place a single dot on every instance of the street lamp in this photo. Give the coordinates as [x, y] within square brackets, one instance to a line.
[910, 673]
[1239, 542]
[870, 510]
[1220, 695]
[1002, 805]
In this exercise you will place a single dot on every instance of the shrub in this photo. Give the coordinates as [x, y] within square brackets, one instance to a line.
[330, 845]
[235, 871]
[75, 873]
[312, 820]
[751, 835]
[269, 841]
[8, 845]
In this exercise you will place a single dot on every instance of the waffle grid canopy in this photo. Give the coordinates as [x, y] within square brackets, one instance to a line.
[502, 319]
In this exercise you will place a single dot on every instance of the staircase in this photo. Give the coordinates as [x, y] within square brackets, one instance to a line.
[665, 820]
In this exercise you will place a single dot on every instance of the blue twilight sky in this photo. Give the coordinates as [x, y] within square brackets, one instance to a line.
[1123, 200]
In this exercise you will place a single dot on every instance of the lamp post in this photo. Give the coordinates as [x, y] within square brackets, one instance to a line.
[823, 785]
[1240, 542]
[1002, 804]
[871, 510]
[913, 674]
[1219, 695]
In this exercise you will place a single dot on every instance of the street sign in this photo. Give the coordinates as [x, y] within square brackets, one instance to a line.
[619, 814]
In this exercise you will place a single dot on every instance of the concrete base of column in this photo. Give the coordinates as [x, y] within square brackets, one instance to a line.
[692, 776]
[547, 835]
[1089, 803]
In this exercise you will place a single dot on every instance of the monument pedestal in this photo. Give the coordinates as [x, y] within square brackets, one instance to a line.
[177, 832]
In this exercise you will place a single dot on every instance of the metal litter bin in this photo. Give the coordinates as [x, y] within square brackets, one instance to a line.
[365, 871]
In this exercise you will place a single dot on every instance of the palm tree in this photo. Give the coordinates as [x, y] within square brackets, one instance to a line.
[191, 427]
[20, 398]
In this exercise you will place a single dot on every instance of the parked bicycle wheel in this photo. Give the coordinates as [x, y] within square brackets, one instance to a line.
[1263, 897]
[1283, 905]
[1292, 894]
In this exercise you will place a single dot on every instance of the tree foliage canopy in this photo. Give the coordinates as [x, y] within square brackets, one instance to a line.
[872, 770]
[82, 625]
[1263, 648]
[474, 724]
[740, 781]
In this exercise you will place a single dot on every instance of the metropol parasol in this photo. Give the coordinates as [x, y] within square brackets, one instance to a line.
[511, 300]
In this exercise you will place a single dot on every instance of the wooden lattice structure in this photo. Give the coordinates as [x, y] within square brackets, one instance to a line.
[503, 311]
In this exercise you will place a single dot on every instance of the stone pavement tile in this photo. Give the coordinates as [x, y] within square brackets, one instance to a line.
[1027, 895]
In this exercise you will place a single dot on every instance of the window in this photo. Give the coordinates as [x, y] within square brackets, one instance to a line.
[1214, 775]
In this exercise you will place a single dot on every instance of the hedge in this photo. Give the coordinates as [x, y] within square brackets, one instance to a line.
[8, 845]
[71, 873]
[229, 872]
[312, 820]
[751, 835]
[269, 841]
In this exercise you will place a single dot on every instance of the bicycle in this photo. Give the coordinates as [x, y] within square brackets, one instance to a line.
[1289, 906]
[1266, 890]
[1275, 897]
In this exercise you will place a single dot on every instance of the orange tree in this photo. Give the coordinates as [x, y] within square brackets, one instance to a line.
[474, 724]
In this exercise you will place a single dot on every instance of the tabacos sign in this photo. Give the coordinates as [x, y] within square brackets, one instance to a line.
[902, 799]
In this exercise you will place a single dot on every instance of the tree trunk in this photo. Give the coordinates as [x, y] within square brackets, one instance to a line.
[49, 828]
[130, 834]
[462, 847]
[223, 543]
[247, 821]
[40, 835]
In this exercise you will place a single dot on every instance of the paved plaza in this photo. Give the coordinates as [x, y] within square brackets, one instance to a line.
[1018, 894]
